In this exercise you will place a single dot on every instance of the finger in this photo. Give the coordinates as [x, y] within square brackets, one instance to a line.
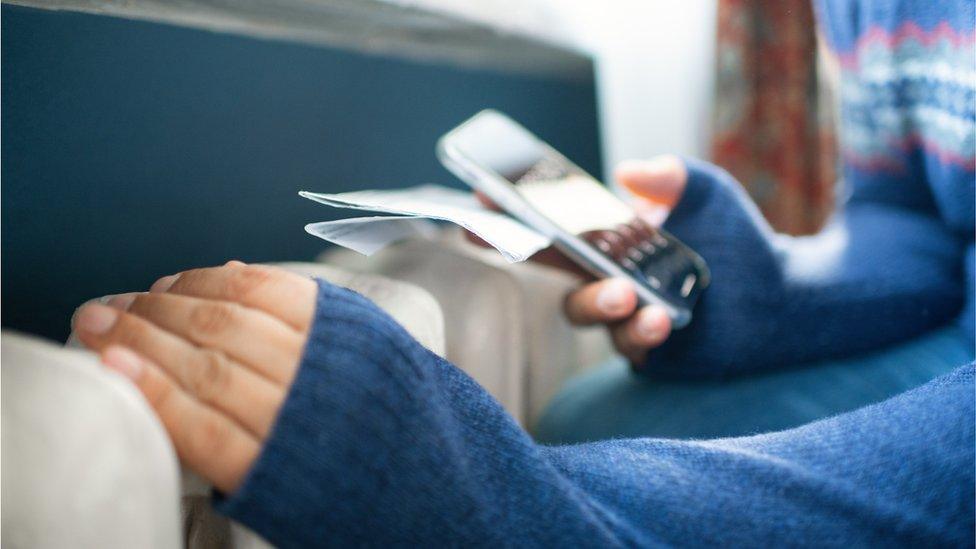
[209, 375]
[486, 202]
[253, 338]
[552, 257]
[661, 179]
[209, 442]
[282, 294]
[647, 329]
[606, 300]
[476, 240]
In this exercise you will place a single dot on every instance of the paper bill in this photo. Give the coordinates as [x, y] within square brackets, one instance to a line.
[514, 240]
[368, 235]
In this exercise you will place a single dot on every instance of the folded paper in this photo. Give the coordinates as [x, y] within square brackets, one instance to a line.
[410, 213]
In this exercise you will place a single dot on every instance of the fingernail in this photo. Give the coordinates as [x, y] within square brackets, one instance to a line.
[123, 361]
[650, 324]
[234, 263]
[614, 297]
[121, 301]
[659, 163]
[95, 318]
[164, 283]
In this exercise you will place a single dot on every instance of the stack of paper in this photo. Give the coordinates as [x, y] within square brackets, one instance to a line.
[409, 213]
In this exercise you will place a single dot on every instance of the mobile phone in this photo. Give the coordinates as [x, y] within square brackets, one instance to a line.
[532, 182]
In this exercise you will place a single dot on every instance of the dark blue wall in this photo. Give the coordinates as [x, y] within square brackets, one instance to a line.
[132, 150]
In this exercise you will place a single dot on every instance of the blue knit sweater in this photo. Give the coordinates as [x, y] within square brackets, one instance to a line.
[381, 442]
[898, 259]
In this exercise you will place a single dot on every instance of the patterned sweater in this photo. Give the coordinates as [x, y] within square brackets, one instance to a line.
[898, 258]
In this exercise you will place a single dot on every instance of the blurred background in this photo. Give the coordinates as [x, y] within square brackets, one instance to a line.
[145, 137]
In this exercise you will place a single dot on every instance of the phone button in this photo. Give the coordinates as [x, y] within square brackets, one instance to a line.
[688, 284]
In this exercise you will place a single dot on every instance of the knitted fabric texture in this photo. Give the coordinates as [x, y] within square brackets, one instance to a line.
[381, 442]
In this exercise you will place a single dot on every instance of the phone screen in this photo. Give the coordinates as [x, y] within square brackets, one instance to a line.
[553, 186]
[582, 206]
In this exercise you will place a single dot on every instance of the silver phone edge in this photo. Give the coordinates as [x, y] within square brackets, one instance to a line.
[577, 249]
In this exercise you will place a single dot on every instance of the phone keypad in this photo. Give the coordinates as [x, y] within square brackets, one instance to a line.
[628, 245]
[648, 256]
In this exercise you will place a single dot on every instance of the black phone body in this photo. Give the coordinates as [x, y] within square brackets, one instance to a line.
[540, 187]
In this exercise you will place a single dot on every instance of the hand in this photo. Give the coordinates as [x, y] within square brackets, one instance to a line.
[214, 352]
[657, 183]
[654, 183]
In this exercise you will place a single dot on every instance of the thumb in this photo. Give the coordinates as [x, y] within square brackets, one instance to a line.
[660, 180]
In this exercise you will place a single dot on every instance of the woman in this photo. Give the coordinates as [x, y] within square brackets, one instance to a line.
[321, 421]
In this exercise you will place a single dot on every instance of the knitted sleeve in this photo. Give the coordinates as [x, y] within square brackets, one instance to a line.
[380, 442]
[879, 273]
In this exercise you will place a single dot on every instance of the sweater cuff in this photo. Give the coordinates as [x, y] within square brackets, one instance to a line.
[716, 218]
[699, 192]
[309, 456]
